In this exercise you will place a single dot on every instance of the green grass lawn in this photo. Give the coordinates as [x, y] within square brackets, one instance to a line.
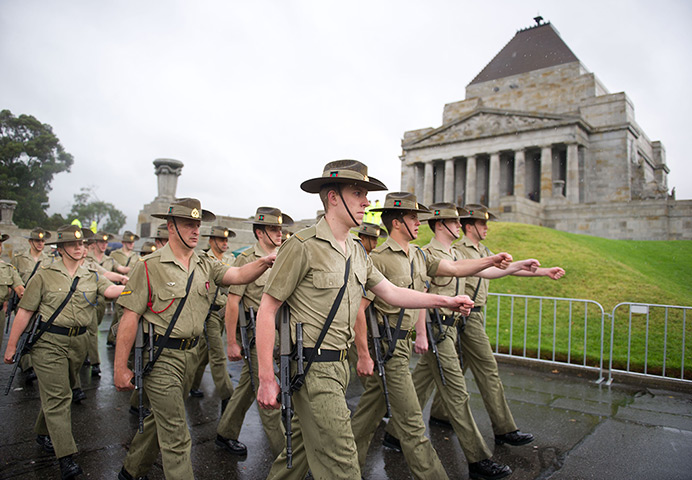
[605, 271]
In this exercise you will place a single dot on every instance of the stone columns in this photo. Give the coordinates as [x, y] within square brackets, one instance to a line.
[572, 193]
[471, 179]
[449, 181]
[546, 173]
[519, 173]
[494, 181]
[429, 179]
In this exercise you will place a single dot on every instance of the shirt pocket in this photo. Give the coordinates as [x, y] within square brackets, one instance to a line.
[403, 281]
[163, 298]
[325, 280]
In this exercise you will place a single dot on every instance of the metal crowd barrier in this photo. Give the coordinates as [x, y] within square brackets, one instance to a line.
[573, 331]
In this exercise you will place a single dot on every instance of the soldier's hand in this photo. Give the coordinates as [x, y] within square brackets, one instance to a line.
[365, 366]
[269, 259]
[267, 393]
[556, 273]
[501, 260]
[122, 378]
[234, 352]
[9, 354]
[420, 346]
[530, 265]
[462, 304]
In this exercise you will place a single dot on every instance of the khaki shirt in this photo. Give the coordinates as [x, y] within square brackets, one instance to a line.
[308, 273]
[166, 284]
[449, 286]
[9, 278]
[48, 288]
[396, 265]
[91, 264]
[251, 293]
[467, 249]
[222, 296]
[124, 259]
[25, 263]
[109, 263]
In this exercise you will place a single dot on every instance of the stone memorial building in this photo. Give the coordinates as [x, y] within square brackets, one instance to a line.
[540, 140]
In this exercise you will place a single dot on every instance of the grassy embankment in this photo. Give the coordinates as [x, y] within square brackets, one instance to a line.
[605, 271]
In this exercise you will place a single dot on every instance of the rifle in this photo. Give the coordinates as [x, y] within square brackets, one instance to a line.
[11, 309]
[432, 343]
[246, 343]
[206, 319]
[24, 344]
[139, 369]
[285, 378]
[379, 360]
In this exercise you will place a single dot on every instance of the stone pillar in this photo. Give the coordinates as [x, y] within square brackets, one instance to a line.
[7, 211]
[546, 173]
[471, 180]
[572, 192]
[449, 181]
[494, 181]
[167, 172]
[519, 173]
[428, 180]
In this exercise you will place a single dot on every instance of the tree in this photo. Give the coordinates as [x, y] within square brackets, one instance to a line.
[87, 208]
[30, 155]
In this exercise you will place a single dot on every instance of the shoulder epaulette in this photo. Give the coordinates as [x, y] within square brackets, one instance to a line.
[360, 242]
[422, 253]
[305, 234]
[247, 252]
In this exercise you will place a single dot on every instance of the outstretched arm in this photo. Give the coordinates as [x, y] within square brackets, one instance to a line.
[407, 298]
[555, 273]
[248, 272]
[529, 266]
[468, 267]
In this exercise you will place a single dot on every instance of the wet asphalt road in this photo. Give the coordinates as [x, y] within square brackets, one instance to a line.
[583, 431]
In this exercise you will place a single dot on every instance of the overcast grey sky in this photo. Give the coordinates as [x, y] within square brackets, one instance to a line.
[255, 97]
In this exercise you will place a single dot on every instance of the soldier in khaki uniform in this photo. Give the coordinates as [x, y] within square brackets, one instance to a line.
[27, 262]
[161, 236]
[59, 352]
[409, 269]
[9, 279]
[476, 352]
[267, 227]
[156, 290]
[127, 257]
[310, 270]
[211, 347]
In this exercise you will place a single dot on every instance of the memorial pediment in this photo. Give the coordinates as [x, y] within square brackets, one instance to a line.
[487, 124]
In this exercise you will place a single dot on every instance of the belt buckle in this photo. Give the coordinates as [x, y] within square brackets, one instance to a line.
[409, 334]
[343, 354]
[73, 331]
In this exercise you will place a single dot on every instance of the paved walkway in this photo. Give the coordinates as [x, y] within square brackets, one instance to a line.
[583, 431]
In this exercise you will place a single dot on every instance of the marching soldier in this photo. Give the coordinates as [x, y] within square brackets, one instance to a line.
[267, 227]
[161, 236]
[169, 290]
[211, 348]
[477, 354]
[62, 293]
[318, 270]
[9, 279]
[407, 269]
[127, 257]
[27, 262]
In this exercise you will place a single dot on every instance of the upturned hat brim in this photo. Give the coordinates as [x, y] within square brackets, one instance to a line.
[4, 237]
[421, 209]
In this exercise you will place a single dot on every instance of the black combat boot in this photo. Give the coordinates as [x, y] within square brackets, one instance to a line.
[68, 468]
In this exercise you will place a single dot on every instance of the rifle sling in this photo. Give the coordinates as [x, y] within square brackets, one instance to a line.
[298, 379]
[397, 329]
[57, 311]
[167, 335]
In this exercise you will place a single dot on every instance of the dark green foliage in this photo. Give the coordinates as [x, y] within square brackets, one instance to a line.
[30, 156]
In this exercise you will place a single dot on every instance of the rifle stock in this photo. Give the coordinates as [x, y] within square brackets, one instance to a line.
[139, 372]
[11, 310]
[379, 358]
[24, 344]
[432, 342]
[244, 338]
